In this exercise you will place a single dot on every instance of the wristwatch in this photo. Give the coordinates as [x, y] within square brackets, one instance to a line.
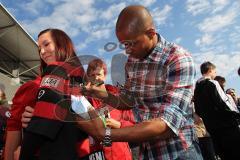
[107, 142]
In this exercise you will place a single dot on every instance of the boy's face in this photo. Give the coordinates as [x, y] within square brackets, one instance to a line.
[96, 75]
[212, 73]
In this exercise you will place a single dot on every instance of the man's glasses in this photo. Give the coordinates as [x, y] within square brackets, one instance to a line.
[127, 44]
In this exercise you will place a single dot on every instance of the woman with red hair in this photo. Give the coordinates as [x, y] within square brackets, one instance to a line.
[47, 133]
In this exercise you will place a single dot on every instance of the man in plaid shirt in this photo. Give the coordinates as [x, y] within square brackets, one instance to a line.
[158, 87]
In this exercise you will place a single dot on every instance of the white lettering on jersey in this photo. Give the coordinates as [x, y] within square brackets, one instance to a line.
[50, 82]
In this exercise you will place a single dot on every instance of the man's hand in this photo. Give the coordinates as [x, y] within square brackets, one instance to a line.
[113, 123]
[27, 116]
[95, 90]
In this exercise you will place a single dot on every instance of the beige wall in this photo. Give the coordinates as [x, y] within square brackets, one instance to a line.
[9, 89]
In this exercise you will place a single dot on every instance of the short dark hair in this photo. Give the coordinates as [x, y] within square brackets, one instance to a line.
[206, 66]
[221, 80]
[229, 90]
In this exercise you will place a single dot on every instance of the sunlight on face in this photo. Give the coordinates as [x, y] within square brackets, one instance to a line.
[46, 47]
[137, 46]
[97, 75]
[213, 73]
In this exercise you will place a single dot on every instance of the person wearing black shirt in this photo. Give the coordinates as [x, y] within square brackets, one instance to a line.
[212, 106]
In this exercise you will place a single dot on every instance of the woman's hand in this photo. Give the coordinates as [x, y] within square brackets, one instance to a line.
[113, 123]
[27, 116]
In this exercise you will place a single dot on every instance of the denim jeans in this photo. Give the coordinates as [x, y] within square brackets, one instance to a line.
[192, 153]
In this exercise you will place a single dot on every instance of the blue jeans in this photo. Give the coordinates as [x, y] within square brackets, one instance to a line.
[192, 153]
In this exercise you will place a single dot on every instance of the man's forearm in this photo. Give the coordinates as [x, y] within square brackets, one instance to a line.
[144, 131]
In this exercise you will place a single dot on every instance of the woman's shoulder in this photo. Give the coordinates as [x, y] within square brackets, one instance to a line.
[29, 87]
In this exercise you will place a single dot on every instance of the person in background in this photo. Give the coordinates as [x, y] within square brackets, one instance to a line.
[238, 71]
[212, 105]
[222, 81]
[205, 140]
[232, 93]
[3, 99]
[4, 110]
[230, 101]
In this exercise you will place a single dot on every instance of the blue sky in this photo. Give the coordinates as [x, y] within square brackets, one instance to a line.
[209, 29]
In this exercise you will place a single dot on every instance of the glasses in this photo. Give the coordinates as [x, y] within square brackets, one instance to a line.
[127, 44]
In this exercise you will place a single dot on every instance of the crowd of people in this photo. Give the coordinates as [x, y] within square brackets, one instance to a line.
[157, 108]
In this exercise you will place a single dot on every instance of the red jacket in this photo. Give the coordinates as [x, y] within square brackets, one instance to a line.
[57, 84]
[26, 95]
[118, 150]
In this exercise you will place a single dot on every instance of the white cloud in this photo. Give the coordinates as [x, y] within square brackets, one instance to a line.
[80, 46]
[54, 2]
[112, 11]
[218, 5]
[218, 22]
[234, 37]
[238, 45]
[206, 39]
[196, 7]
[226, 63]
[101, 51]
[78, 18]
[146, 3]
[101, 34]
[34, 6]
[178, 40]
[160, 15]
[68, 16]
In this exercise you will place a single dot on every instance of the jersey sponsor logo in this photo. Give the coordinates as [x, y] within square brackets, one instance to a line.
[50, 82]
[41, 93]
[8, 114]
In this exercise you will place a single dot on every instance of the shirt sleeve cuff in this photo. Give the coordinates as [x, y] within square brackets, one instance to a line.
[174, 119]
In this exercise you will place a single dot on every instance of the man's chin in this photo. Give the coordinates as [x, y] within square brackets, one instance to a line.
[134, 55]
[137, 56]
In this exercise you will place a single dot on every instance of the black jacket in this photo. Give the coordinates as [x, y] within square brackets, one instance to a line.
[212, 109]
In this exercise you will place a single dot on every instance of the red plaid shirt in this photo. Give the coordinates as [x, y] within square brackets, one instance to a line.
[162, 86]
